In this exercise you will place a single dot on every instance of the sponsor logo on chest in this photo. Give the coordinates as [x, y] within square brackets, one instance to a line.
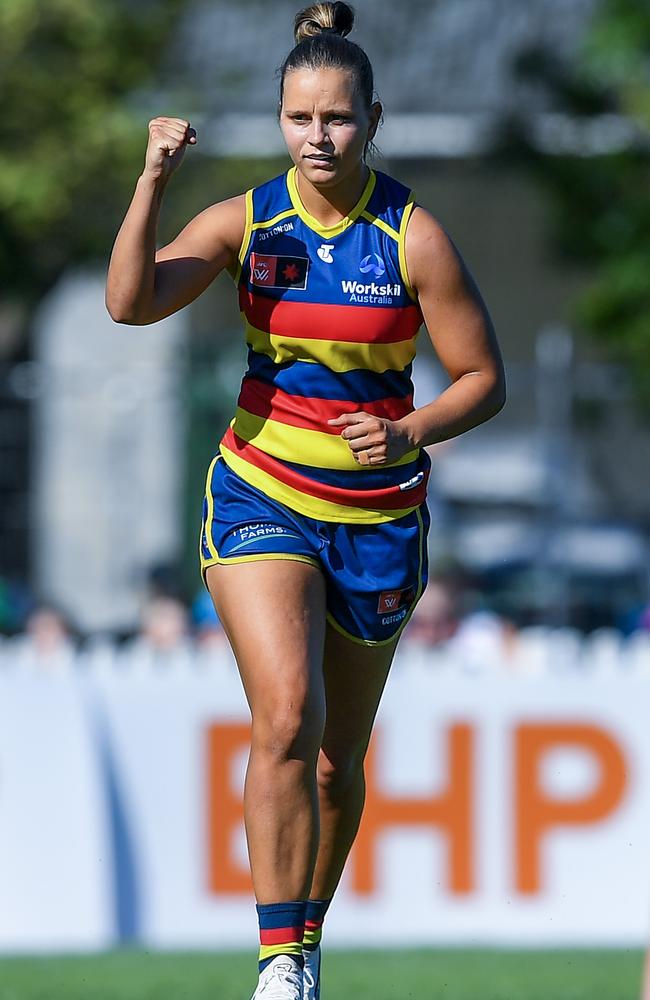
[371, 292]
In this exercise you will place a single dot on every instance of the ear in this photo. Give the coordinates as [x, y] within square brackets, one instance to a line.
[375, 114]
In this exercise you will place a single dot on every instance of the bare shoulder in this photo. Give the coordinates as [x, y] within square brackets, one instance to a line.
[214, 232]
[431, 257]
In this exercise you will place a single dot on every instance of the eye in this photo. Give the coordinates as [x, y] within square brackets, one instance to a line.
[339, 120]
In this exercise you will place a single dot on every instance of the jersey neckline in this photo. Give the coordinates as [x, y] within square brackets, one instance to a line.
[313, 223]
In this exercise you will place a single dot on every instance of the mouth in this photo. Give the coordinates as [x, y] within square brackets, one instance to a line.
[320, 158]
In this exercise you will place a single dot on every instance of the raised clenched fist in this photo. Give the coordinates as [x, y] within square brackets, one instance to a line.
[168, 139]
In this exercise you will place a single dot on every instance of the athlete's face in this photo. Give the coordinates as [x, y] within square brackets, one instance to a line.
[325, 123]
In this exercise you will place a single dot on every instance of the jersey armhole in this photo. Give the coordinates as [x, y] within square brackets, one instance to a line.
[248, 228]
[401, 243]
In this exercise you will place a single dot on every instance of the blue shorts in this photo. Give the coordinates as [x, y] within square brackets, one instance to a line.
[374, 573]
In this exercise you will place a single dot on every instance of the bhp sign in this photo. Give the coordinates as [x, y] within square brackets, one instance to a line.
[534, 813]
[499, 811]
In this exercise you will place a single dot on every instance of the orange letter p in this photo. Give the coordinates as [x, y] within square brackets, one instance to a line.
[536, 812]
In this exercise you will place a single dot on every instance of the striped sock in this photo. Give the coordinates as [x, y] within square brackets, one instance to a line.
[314, 917]
[282, 927]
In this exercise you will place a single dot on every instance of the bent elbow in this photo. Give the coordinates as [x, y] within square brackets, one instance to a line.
[121, 315]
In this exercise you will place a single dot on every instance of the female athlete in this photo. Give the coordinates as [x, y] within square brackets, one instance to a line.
[313, 543]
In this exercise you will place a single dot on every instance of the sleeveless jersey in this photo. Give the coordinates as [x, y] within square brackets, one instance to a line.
[331, 323]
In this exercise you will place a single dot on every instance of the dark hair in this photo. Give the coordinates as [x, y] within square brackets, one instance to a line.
[320, 32]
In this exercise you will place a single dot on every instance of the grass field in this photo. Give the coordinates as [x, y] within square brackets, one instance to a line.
[392, 975]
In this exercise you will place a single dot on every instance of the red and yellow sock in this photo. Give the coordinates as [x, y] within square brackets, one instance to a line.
[282, 928]
[314, 917]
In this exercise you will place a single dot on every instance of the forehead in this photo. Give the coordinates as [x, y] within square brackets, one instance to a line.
[320, 88]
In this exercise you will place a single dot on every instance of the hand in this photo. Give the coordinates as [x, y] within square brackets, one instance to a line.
[168, 139]
[373, 440]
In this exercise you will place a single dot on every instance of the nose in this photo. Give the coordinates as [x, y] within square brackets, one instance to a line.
[319, 133]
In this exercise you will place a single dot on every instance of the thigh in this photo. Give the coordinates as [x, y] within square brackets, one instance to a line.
[273, 612]
[355, 676]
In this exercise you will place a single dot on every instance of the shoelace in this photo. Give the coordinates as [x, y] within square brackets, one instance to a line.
[282, 977]
[309, 979]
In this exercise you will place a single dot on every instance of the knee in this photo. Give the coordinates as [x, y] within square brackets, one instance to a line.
[338, 771]
[288, 733]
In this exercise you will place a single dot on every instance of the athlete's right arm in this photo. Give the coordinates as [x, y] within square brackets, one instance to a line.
[144, 285]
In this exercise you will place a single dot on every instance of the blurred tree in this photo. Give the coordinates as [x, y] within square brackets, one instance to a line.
[72, 139]
[77, 78]
[601, 204]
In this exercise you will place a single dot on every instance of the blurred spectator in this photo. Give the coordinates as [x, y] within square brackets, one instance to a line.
[48, 641]
[484, 642]
[436, 617]
[164, 637]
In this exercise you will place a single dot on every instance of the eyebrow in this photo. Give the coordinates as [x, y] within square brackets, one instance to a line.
[345, 113]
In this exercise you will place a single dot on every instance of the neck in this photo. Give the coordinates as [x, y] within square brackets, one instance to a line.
[330, 205]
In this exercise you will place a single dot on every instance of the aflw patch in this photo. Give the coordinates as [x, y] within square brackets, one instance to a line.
[271, 271]
[393, 600]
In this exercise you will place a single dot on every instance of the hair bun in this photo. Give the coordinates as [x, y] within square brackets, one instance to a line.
[323, 19]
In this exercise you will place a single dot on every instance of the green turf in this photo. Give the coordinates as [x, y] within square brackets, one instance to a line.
[384, 975]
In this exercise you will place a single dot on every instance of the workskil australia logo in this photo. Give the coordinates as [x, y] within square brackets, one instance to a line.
[371, 292]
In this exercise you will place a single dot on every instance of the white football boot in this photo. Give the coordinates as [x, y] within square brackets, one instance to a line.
[311, 975]
[280, 980]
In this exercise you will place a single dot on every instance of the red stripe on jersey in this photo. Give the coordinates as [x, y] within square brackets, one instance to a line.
[265, 400]
[390, 498]
[280, 935]
[324, 321]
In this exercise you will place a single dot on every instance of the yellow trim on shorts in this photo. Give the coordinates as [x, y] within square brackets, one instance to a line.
[418, 594]
[217, 560]
[248, 228]
[406, 214]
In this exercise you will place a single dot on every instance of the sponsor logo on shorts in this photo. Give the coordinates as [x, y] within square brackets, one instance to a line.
[394, 619]
[391, 601]
[249, 534]
[273, 271]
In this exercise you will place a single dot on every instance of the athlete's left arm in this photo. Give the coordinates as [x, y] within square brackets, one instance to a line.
[462, 334]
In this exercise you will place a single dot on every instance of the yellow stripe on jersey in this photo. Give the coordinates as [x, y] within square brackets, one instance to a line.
[299, 444]
[304, 503]
[406, 214]
[382, 225]
[337, 355]
[266, 223]
[248, 228]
